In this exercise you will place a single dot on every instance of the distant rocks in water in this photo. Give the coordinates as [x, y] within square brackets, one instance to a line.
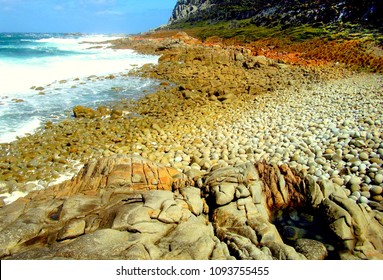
[127, 207]
[38, 88]
[18, 100]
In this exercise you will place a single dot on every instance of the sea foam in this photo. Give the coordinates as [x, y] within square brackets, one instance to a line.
[60, 67]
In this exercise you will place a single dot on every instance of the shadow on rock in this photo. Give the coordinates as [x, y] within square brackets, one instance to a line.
[127, 207]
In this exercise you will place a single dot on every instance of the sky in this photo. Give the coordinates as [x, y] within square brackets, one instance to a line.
[85, 16]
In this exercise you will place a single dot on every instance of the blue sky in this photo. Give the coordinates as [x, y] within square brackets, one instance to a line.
[87, 16]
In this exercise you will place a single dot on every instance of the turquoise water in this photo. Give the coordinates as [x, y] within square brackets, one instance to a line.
[43, 76]
[21, 46]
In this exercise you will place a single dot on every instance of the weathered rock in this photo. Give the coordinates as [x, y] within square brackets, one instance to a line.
[274, 188]
[193, 199]
[120, 171]
[101, 244]
[73, 229]
[311, 249]
[114, 210]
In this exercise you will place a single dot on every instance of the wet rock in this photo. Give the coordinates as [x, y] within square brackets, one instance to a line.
[18, 100]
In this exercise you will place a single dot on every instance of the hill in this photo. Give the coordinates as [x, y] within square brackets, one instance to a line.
[280, 12]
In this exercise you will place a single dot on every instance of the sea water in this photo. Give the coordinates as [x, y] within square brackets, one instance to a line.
[43, 76]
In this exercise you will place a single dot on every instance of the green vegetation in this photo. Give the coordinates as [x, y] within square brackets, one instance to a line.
[351, 44]
[244, 31]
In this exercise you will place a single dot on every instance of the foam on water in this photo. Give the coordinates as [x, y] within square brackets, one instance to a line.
[19, 129]
[68, 58]
[17, 75]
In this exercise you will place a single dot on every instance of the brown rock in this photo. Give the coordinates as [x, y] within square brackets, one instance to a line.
[73, 229]
[103, 244]
[126, 207]
[122, 171]
[83, 112]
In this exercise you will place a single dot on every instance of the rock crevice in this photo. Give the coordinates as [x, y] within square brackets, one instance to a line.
[249, 211]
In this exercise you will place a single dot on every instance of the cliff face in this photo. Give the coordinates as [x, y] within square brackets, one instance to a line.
[284, 12]
[185, 9]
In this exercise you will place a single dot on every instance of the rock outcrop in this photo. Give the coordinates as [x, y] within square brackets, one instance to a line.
[188, 8]
[274, 12]
[126, 207]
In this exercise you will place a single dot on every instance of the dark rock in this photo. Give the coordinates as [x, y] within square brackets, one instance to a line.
[273, 12]
[311, 249]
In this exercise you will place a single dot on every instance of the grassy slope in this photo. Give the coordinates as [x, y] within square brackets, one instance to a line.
[358, 47]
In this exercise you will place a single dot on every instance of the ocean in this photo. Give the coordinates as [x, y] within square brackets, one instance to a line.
[44, 75]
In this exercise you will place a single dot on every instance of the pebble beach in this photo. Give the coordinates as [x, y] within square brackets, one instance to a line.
[223, 111]
[233, 156]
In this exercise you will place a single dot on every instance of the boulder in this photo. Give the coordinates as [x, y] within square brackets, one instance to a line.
[127, 207]
[83, 112]
[311, 249]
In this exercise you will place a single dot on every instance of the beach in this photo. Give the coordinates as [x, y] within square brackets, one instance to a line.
[220, 107]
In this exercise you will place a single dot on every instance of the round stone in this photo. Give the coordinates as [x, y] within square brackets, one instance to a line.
[363, 199]
[196, 166]
[362, 168]
[178, 165]
[311, 249]
[366, 194]
[356, 163]
[356, 194]
[338, 181]
[347, 191]
[293, 233]
[377, 198]
[355, 169]
[367, 179]
[354, 188]
[363, 156]
[376, 190]
[178, 159]
[373, 169]
[355, 180]
[378, 178]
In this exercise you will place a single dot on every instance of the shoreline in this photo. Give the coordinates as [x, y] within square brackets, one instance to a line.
[200, 104]
[44, 85]
[236, 156]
